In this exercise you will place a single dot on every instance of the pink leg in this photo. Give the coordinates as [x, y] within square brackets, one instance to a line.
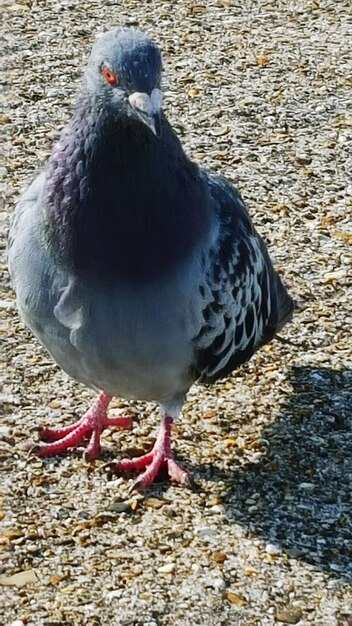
[160, 455]
[91, 425]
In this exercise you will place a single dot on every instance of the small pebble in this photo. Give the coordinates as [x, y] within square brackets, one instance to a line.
[169, 568]
[206, 531]
[307, 486]
[272, 549]
[289, 616]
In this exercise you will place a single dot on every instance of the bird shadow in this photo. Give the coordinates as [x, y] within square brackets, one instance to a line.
[298, 493]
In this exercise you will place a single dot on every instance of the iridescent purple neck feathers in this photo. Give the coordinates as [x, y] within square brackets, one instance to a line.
[122, 203]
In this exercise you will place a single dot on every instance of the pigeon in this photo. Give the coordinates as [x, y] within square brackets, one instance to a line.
[139, 271]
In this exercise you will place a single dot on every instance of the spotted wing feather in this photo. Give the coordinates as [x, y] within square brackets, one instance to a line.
[244, 301]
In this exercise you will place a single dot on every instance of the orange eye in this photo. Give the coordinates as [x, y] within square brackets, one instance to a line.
[109, 75]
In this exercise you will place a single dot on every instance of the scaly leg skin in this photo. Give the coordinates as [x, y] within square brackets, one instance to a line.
[91, 425]
[160, 455]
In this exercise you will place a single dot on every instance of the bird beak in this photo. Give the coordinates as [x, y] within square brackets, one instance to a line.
[148, 109]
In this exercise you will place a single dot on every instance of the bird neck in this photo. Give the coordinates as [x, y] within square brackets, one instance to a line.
[122, 203]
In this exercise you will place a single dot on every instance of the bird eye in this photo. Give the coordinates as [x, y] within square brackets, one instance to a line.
[108, 74]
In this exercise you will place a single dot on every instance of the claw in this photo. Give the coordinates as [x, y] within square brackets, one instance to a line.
[90, 426]
[160, 456]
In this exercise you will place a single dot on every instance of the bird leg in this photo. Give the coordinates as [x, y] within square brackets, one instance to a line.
[91, 425]
[160, 455]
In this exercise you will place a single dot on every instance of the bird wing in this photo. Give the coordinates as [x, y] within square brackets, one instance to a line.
[46, 293]
[243, 299]
[21, 222]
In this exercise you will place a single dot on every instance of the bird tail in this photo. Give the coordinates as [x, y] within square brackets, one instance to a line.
[285, 304]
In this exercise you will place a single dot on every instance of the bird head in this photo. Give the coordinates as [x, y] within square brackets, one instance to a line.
[124, 70]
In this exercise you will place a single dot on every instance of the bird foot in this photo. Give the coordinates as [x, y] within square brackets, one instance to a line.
[91, 425]
[159, 457]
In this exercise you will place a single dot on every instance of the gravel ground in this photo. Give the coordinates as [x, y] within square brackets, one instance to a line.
[261, 91]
